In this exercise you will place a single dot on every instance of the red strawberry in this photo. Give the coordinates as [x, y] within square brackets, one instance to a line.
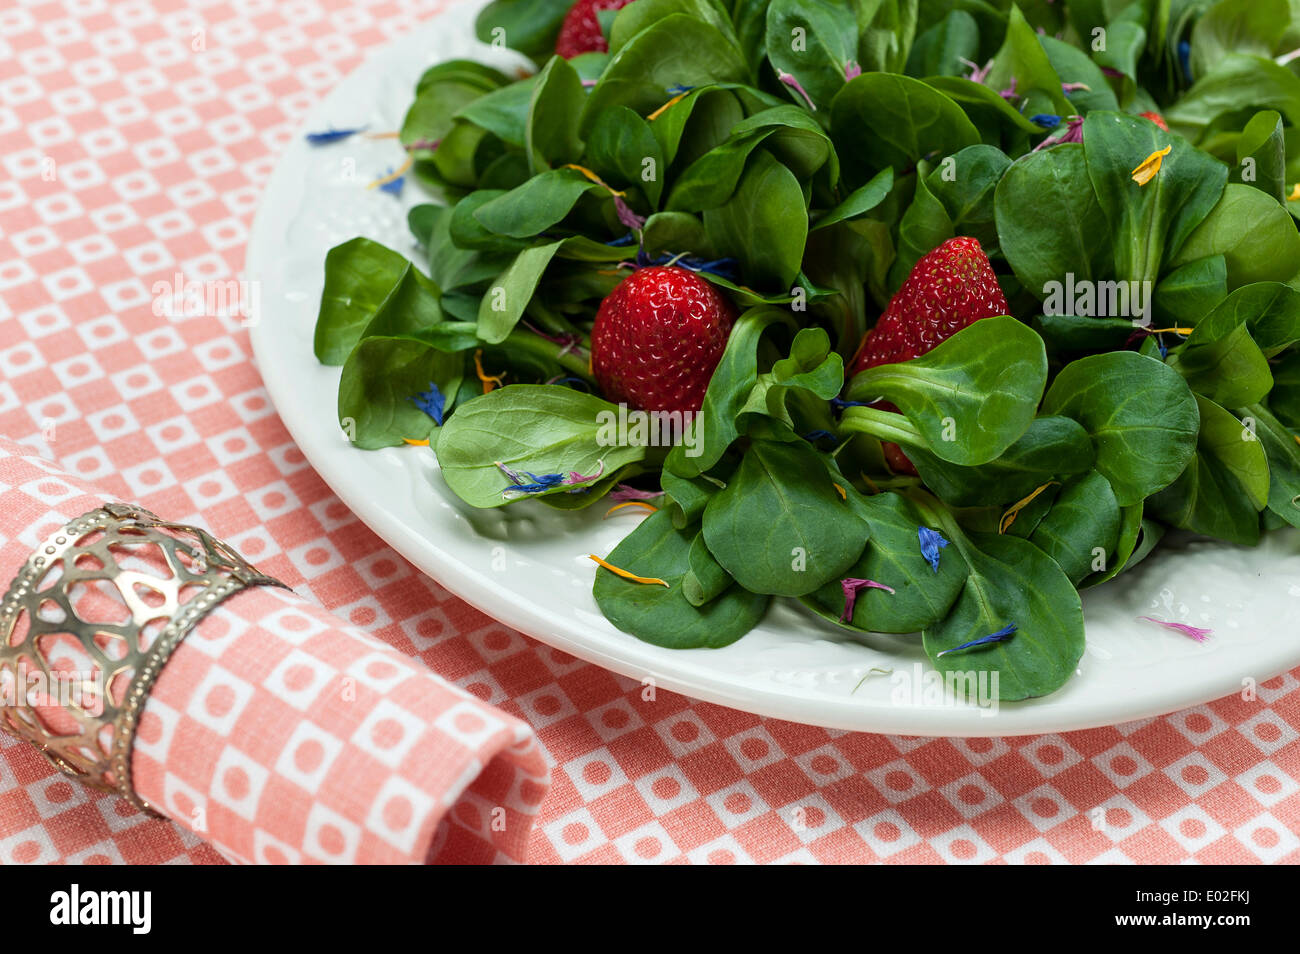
[1157, 119]
[580, 32]
[657, 338]
[948, 289]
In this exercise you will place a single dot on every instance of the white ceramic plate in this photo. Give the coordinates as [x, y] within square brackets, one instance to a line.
[527, 565]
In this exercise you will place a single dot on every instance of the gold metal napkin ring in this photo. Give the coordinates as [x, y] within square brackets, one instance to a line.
[88, 551]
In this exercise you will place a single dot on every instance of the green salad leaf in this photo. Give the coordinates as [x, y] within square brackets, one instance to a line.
[664, 615]
[1049, 220]
[884, 119]
[970, 398]
[530, 428]
[1011, 582]
[359, 275]
[1224, 486]
[1149, 222]
[1082, 528]
[779, 527]
[922, 596]
[379, 378]
[1141, 416]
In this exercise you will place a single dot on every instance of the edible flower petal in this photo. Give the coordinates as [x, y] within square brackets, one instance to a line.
[626, 492]
[629, 503]
[789, 80]
[431, 402]
[1002, 635]
[575, 478]
[327, 136]
[1194, 632]
[624, 211]
[977, 73]
[512, 475]
[393, 181]
[665, 107]
[1145, 172]
[626, 215]
[625, 574]
[1073, 133]
[931, 543]
[536, 485]
[722, 267]
[588, 174]
[527, 482]
[1013, 511]
[490, 381]
[393, 186]
[851, 588]
[839, 405]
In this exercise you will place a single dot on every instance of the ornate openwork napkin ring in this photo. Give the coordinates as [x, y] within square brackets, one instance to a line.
[90, 595]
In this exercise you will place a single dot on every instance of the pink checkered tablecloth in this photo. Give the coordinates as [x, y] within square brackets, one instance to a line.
[128, 157]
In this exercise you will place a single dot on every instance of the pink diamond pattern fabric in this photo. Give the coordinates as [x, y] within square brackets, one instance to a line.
[134, 138]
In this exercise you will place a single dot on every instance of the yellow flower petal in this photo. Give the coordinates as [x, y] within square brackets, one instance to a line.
[392, 176]
[665, 107]
[490, 381]
[625, 574]
[631, 503]
[1150, 166]
[1295, 194]
[1009, 517]
[591, 176]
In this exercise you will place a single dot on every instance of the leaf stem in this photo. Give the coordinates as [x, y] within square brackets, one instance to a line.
[523, 340]
[885, 425]
[898, 483]
[554, 323]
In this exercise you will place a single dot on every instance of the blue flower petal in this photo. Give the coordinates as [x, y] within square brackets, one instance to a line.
[931, 543]
[431, 402]
[1002, 635]
[327, 136]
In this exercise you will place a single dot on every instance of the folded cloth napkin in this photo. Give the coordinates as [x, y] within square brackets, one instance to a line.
[279, 733]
